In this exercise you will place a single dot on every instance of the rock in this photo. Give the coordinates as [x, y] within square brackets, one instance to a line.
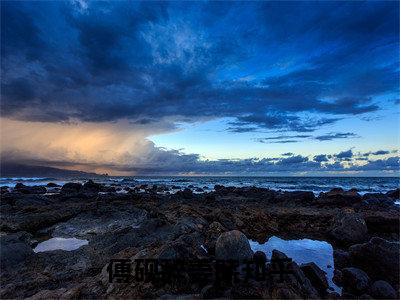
[316, 276]
[355, 280]
[37, 190]
[91, 187]
[23, 189]
[213, 232]
[216, 228]
[247, 290]
[52, 184]
[366, 297]
[339, 197]
[335, 192]
[369, 196]
[394, 194]
[61, 293]
[332, 295]
[341, 259]
[175, 251]
[233, 245]
[337, 277]
[189, 224]
[20, 185]
[28, 200]
[260, 257]
[379, 258]
[14, 250]
[302, 196]
[282, 292]
[375, 204]
[209, 292]
[209, 198]
[382, 290]
[350, 229]
[297, 279]
[218, 187]
[186, 193]
[71, 188]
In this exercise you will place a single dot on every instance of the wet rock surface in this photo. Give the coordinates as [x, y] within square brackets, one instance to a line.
[382, 290]
[378, 257]
[350, 229]
[233, 245]
[355, 280]
[152, 222]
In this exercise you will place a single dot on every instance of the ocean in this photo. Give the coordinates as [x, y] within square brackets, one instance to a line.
[314, 184]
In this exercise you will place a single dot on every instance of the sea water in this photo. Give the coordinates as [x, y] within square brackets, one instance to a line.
[57, 243]
[302, 251]
[314, 184]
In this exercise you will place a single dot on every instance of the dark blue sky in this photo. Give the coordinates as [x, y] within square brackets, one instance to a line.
[203, 87]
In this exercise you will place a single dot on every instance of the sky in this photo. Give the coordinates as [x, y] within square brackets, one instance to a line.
[202, 88]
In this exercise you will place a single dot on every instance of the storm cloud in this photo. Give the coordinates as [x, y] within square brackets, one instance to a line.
[112, 60]
[152, 66]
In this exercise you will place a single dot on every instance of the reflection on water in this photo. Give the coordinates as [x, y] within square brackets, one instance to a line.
[67, 244]
[302, 251]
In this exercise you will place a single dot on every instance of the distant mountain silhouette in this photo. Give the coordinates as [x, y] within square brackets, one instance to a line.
[21, 170]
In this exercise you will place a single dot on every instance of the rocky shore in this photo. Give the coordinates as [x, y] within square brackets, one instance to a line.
[134, 222]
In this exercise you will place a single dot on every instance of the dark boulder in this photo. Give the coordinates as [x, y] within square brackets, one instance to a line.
[210, 292]
[337, 277]
[218, 187]
[302, 196]
[209, 198]
[375, 204]
[186, 193]
[189, 224]
[24, 189]
[71, 188]
[369, 196]
[215, 229]
[52, 184]
[175, 251]
[259, 257]
[379, 258]
[341, 259]
[355, 280]
[382, 290]
[92, 187]
[233, 245]
[350, 229]
[15, 250]
[339, 197]
[31, 200]
[297, 280]
[247, 290]
[20, 185]
[316, 276]
[394, 194]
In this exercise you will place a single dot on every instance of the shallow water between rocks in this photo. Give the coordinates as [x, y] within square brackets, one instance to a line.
[57, 243]
[302, 251]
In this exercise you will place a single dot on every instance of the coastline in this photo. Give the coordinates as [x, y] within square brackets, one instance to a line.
[151, 222]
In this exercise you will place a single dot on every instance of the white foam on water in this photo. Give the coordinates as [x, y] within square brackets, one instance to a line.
[302, 251]
[397, 202]
[57, 243]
